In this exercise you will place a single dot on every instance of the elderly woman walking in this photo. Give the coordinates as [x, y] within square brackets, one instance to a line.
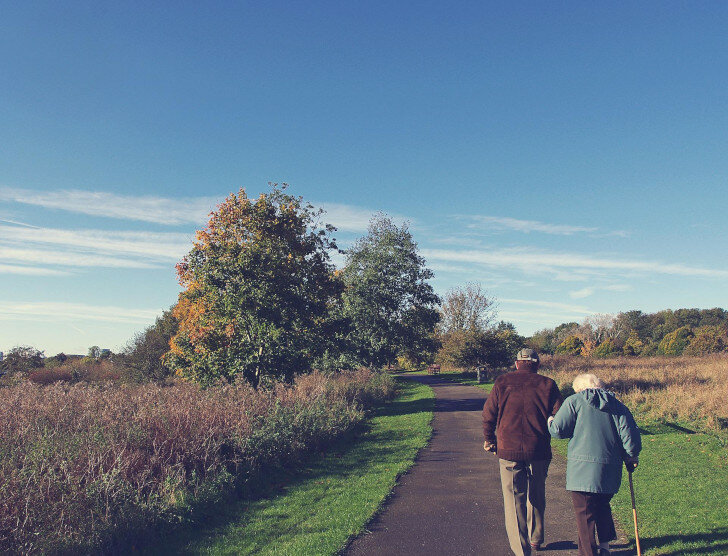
[603, 435]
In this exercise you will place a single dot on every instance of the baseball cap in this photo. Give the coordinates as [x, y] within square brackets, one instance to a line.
[527, 354]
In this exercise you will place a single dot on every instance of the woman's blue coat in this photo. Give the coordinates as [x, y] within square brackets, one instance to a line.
[603, 433]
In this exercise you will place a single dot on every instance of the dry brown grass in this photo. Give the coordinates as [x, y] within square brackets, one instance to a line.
[81, 464]
[686, 389]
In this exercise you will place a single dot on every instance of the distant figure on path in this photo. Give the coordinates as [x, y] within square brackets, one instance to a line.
[515, 427]
[603, 434]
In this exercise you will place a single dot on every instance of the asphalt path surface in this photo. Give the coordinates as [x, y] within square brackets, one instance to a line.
[450, 502]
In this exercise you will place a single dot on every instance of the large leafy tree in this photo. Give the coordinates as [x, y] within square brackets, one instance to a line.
[258, 286]
[391, 307]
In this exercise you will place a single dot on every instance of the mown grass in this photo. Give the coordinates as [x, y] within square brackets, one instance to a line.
[681, 492]
[317, 509]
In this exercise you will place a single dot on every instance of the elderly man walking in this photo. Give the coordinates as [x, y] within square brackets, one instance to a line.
[515, 428]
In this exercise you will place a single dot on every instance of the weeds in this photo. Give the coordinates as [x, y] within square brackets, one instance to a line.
[83, 465]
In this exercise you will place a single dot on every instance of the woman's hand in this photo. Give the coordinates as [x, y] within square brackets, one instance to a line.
[631, 463]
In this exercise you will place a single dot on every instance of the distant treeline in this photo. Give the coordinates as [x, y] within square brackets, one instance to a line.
[634, 333]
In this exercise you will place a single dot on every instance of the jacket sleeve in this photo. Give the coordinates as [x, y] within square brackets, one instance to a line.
[629, 433]
[555, 399]
[563, 424]
[490, 415]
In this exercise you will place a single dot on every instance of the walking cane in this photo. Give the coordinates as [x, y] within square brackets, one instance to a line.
[634, 515]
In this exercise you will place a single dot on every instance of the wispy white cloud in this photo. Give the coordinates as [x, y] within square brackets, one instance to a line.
[59, 311]
[534, 260]
[552, 305]
[618, 287]
[47, 257]
[347, 218]
[541, 313]
[351, 218]
[30, 270]
[584, 292]
[146, 208]
[525, 226]
[591, 290]
[160, 246]
[15, 223]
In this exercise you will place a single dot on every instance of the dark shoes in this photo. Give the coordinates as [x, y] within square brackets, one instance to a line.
[536, 547]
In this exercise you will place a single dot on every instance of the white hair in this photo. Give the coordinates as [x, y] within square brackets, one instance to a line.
[586, 380]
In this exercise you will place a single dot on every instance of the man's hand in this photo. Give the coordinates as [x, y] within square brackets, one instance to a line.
[631, 463]
[549, 420]
[488, 447]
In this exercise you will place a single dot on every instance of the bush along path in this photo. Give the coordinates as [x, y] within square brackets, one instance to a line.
[451, 501]
[317, 508]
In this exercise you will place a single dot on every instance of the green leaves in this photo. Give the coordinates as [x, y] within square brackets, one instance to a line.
[258, 286]
[390, 304]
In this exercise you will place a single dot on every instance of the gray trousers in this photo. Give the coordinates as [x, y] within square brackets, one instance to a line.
[524, 502]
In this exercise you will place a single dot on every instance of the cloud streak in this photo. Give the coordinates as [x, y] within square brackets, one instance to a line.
[59, 311]
[47, 257]
[525, 226]
[158, 210]
[533, 260]
[30, 270]
[350, 218]
[529, 226]
[161, 246]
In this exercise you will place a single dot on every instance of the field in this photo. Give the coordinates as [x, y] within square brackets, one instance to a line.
[687, 390]
[85, 468]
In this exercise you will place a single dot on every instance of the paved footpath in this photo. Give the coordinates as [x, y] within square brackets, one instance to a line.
[450, 503]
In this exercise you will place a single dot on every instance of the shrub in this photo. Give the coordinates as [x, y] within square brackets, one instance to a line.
[570, 346]
[633, 345]
[706, 340]
[605, 349]
[675, 342]
[83, 466]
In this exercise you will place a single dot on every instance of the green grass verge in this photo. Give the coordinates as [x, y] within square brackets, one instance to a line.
[318, 508]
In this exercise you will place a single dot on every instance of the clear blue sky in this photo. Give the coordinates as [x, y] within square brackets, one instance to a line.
[570, 157]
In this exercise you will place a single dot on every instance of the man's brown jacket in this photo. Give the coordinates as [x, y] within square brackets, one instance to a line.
[515, 415]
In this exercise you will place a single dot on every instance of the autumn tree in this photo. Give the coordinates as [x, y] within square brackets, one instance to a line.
[258, 285]
[387, 298]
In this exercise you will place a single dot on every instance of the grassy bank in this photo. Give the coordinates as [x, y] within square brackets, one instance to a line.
[85, 469]
[317, 509]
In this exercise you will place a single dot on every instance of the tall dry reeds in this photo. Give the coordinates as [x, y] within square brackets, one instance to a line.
[81, 465]
[689, 389]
